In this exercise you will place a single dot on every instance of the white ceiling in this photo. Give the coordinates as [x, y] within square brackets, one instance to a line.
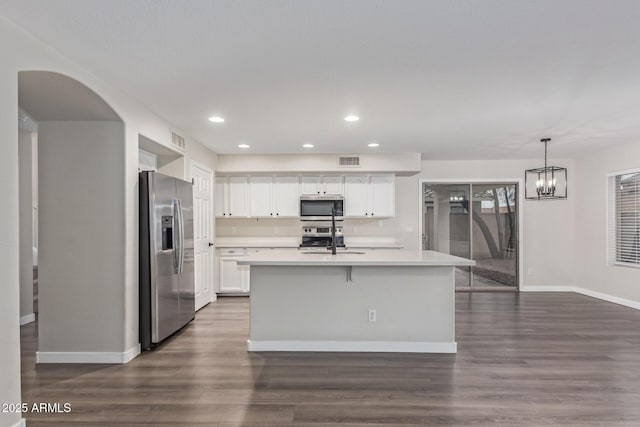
[451, 78]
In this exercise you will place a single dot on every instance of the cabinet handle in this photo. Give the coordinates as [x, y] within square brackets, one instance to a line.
[324, 192]
[366, 213]
[371, 213]
[229, 213]
[277, 214]
[224, 214]
[271, 214]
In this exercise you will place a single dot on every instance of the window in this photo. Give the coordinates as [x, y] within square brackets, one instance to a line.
[624, 218]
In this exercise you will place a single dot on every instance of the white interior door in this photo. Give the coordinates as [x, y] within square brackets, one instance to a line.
[203, 233]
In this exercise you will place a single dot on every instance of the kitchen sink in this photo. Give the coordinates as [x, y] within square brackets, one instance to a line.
[338, 253]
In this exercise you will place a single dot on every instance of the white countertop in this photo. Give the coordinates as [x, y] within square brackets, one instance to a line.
[294, 242]
[257, 242]
[379, 257]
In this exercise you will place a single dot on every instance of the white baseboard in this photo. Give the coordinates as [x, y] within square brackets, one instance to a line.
[586, 292]
[87, 356]
[547, 289]
[21, 423]
[354, 346]
[609, 298]
[27, 319]
[131, 354]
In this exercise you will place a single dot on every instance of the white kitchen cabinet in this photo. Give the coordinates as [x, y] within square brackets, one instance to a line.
[310, 184]
[260, 195]
[369, 196]
[332, 184]
[356, 191]
[238, 196]
[274, 197]
[365, 196]
[233, 278]
[328, 184]
[231, 196]
[220, 195]
[382, 195]
[286, 196]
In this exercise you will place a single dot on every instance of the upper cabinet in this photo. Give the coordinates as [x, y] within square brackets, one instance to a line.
[382, 195]
[327, 184]
[286, 196]
[231, 197]
[260, 196]
[367, 196]
[274, 197]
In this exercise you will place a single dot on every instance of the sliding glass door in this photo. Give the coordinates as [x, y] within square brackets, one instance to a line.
[446, 223]
[477, 221]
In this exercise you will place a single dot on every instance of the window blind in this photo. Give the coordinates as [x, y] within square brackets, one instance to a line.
[624, 218]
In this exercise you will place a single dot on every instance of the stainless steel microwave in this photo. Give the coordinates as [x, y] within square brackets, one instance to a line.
[318, 207]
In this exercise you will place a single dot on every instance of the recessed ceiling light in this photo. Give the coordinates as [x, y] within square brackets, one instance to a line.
[244, 146]
[373, 145]
[307, 145]
[351, 119]
[216, 119]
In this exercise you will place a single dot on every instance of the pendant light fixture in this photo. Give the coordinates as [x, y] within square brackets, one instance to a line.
[549, 182]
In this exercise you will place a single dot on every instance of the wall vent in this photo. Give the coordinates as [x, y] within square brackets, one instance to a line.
[348, 161]
[177, 141]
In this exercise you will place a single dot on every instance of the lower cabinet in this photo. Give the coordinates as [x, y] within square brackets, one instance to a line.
[232, 278]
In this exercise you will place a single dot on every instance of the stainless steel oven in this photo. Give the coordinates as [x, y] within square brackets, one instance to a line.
[318, 235]
[318, 207]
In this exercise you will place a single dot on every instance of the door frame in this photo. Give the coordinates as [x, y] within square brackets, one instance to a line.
[192, 163]
[519, 181]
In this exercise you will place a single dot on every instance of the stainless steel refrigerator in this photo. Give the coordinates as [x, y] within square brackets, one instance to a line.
[167, 289]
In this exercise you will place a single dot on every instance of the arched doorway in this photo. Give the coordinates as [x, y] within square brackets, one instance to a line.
[81, 236]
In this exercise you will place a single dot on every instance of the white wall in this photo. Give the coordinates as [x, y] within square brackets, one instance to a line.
[26, 175]
[180, 168]
[9, 303]
[21, 51]
[592, 271]
[81, 221]
[404, 163]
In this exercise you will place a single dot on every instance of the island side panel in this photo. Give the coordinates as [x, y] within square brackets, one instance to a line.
[316, 304]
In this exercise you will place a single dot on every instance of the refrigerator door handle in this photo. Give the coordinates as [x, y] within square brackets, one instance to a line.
[181, 259]
[176, 237]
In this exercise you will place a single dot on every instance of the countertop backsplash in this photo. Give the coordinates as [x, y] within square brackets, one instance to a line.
[267, 227]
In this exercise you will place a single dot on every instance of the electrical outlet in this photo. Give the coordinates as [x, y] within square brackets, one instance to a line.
[372, 315]
[354, 229]
[233, 230]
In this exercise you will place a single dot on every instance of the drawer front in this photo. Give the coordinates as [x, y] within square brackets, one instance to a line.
[233, 252]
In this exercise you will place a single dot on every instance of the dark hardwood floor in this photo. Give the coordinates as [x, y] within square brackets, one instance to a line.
[523, 359]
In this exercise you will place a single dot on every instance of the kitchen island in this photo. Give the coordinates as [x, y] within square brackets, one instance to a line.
[381, 300]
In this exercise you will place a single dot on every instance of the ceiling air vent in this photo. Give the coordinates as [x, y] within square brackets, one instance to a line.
[177, 141]
[348, 161]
